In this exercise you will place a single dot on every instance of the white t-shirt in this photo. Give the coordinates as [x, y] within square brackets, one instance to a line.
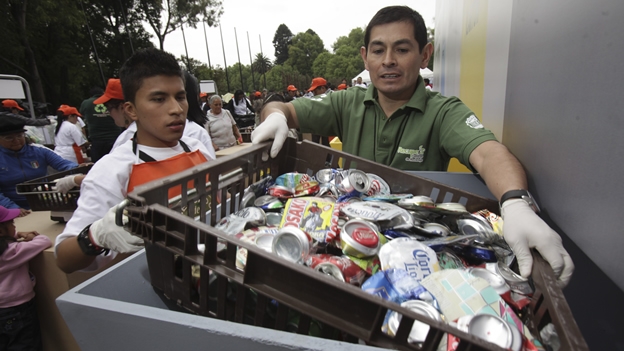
[220, 128]
[106, 185]
[191, 129]
[240, 108]
[363, 85]
[68, 135]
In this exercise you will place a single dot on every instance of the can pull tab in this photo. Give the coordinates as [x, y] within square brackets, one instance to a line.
[119, 214]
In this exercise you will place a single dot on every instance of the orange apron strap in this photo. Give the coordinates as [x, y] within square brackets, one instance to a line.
[78, 152]
[146, 172]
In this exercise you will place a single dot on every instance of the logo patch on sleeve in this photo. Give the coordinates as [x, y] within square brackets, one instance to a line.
[473, 122]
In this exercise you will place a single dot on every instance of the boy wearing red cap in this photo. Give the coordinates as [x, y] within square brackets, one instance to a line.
[154, 90]
[12, 105]
[18, 315]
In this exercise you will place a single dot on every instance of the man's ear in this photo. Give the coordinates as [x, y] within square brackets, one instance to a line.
[130, 110]
[363, 54]
[426, 54]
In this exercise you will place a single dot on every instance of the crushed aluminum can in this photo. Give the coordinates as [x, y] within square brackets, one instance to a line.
[273, 219]
[239, 221]
[451, 207]
[324, 176]
[306, 188]
[359, 239]
[436, 229]
[516, 282]
[280, 191]
[292, 244]
[419, 331]
[248, 199]
[378, 185]
[330, 269]
[291, 179]
[405, 253]
[355, 181]
[268, 203]
[328, 189]
[339, 267]
[260, 187]
[493, 329]
[475, 224]
[265, 241]
[371, 210]
[417, 203]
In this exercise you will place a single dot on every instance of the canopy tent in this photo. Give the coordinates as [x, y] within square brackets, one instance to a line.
[424, 72]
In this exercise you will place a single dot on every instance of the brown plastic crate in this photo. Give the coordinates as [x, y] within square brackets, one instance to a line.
[171, 236]
[41, 197]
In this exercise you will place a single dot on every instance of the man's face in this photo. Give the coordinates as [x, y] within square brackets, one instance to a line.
[292, 93]
[359, 80]
[393, 59]
[160, 109]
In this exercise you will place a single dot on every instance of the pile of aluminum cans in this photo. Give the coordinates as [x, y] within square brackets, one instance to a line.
[348, 225]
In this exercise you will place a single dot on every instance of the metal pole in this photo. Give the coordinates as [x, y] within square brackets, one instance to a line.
[188, 65]
[263, 66]
[253, 79]
[97, 58]
[240, 67]
[227, 77]
[123, 13]
[207, 51]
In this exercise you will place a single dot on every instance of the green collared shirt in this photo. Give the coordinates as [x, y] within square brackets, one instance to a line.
[422, 135]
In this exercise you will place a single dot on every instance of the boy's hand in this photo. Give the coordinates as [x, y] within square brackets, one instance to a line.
[24, 212]
[105, 233]
[26, 236]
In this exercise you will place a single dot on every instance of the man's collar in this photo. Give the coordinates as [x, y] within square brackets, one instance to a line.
[417, 101]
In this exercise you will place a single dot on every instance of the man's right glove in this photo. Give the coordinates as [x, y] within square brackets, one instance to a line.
[105, 233]
[275, 127]
[524, 230]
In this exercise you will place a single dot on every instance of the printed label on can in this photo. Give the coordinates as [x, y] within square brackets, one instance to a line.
[311, 214]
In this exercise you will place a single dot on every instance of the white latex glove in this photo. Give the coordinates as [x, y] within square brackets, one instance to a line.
[105, 233]
[65, 184]
[523, 230]
[275, 127]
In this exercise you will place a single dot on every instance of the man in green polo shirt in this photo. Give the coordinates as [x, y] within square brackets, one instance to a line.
[397, 122]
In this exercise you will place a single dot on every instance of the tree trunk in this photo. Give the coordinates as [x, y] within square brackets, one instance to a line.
[19, 13]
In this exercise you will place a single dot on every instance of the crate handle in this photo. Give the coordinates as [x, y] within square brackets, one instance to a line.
[120, 212]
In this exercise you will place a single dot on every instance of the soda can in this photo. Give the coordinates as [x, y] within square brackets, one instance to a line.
[491, 328]
[248, 199]
[372, 210]
[306, 188]
[516, 282]
[359, 238]
[280, 191]
[474, 224]
[419, 331]
[436, 229]
[325, 176]
[355, 181]
[265, 241]
[328, 189]
[417, 203]
[292, 244]
[330, 269]
[451, 207]
[291, 179]
[496, 281]
[340, 267]
[273, 219]
[268, 203]
[378, 185]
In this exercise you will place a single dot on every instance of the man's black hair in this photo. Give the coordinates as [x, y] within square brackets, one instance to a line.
[144, 64]
[96, 91]
[392, 14]
[195, 113]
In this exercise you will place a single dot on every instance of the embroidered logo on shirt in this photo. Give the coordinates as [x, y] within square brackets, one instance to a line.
[473, 122]
[34, 164]
[414, 155]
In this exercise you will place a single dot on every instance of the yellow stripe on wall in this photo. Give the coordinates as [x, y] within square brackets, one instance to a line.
[472, 71]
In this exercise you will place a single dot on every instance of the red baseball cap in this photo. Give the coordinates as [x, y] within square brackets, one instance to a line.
[292, 88]
[201, 95]
[69, 110]
[7, 214]
[317, 82]
[113, 91]
[342, 87]
[257, 94]
[11, 104]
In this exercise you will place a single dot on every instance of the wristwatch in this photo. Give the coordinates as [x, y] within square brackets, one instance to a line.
[520, 194]
[86, 245]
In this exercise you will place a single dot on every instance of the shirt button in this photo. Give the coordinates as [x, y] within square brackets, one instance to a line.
[384, 139]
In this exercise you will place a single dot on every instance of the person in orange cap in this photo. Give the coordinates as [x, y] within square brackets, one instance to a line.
[103, 112]
[319, 87]
[69, 139]
[292, 91]
[341, 87]
[203, 99]
[12, 105]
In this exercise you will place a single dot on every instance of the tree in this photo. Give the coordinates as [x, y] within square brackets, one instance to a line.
[281, 41]
[261, 64]
[304, 50]
[165, 16]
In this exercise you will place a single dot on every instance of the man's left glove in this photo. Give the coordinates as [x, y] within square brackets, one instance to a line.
[65, 184]
[523, 230]
[105, 233]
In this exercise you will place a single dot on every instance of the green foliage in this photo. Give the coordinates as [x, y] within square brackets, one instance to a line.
[261, 64]
[304, 50]
[281, 41]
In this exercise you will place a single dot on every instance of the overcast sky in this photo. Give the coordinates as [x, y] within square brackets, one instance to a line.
[329, 19]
